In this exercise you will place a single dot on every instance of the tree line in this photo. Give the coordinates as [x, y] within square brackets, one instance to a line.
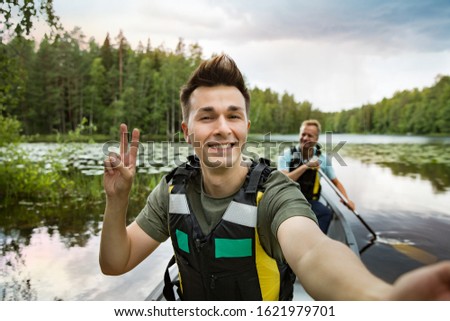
[66, 80]
[417, 112]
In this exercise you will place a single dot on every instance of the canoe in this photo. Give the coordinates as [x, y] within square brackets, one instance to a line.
[342, 228]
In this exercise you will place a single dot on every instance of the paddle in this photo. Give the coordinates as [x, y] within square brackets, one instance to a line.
[405, 248]
[344, 199]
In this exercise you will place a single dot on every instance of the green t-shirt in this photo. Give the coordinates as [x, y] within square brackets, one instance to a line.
[282, 199]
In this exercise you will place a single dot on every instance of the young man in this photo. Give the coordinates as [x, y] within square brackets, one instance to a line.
[236, 227]
[301, 164]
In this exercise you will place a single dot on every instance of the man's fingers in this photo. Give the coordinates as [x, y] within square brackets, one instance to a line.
[115, 160]
[112, 162]
[128, 156]
[134, 146]
[108, 167]
[349, 204]
[123, 139]
[135, 135]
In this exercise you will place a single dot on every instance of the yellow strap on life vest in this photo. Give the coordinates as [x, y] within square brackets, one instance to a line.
[259, 197]
[268, 272]
[316, 185]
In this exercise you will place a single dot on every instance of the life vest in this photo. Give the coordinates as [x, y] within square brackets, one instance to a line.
[309, 181]
[229, 263]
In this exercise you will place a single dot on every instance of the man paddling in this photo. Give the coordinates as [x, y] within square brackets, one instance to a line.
[303, 163]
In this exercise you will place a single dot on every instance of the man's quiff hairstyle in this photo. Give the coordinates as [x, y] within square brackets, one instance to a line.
[312, 122]
[219, 70]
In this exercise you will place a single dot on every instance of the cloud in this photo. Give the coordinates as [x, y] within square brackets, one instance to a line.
[379, 25]
[397, 25]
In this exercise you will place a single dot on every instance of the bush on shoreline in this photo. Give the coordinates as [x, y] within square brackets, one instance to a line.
[23, 179]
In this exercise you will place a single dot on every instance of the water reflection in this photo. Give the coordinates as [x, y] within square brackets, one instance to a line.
[32, 225]
[437, 174]
[15, 281]
[427, 162]
[57, 258]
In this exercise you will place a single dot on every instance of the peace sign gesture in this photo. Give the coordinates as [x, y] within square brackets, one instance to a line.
[121, 169]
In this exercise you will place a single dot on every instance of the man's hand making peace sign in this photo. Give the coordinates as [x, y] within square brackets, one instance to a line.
[121, 169]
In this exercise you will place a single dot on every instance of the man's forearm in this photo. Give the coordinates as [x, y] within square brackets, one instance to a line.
[322, 264]
[347, 275]
[295, 174]
[341, 188]
[114, 244]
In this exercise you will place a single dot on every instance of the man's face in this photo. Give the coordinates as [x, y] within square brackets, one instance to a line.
[217, 126]
[309, 135]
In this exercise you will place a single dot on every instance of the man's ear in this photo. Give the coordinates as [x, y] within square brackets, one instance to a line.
[249, 124]
[184, 127]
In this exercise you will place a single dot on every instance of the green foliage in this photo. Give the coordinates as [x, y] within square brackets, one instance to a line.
[142, 186]
[82, 128]
[23, 178]
[65, 83]
[85, 188]
[19, 16]
[48, 179]
[407, 112]
[9, 130]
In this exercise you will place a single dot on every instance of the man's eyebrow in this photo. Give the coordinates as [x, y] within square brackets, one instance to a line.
[210, 109]
[235, 108]
[207, 109]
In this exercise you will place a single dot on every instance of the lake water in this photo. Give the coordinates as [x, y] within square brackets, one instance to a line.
[400, 184]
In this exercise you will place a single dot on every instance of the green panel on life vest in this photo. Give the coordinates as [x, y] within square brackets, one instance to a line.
[229, 248]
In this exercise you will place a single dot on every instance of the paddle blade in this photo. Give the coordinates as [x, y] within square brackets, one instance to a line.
[415, 253]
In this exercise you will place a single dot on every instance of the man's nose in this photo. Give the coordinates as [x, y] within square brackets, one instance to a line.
[222, 126]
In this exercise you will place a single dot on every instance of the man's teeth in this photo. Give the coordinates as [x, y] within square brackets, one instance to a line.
[221, 146]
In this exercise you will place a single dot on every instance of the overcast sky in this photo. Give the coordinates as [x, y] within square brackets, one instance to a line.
[337, 54]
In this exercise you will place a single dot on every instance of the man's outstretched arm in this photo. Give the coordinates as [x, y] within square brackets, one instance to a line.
[329, 270]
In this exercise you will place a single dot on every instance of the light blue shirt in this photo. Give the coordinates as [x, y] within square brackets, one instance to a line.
[285, 159]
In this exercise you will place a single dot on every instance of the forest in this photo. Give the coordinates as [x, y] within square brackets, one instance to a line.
[66, 81]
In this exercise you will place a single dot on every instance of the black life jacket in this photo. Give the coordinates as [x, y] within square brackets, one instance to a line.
[310, 180]
[229, 263]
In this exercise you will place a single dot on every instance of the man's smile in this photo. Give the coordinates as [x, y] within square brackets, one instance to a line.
[214, 146]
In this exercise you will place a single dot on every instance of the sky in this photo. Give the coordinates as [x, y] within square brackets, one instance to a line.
[336, 54]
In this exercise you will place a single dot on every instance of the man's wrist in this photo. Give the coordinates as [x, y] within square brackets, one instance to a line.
[116, 204]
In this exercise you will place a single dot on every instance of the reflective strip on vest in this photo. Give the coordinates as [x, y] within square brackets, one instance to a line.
[242, 214]
[178, 204]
